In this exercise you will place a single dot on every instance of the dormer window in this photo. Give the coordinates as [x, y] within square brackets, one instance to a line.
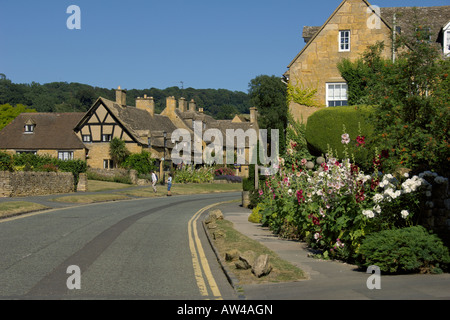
[29, 126]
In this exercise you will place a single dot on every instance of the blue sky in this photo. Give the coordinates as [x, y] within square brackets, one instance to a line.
[141, 44]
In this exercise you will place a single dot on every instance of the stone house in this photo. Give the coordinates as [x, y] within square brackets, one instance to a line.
[351, 28]
[44, 134]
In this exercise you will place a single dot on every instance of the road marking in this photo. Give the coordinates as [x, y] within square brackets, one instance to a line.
[199, 260]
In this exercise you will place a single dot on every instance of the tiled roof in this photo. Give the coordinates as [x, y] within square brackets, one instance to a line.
[52, 131]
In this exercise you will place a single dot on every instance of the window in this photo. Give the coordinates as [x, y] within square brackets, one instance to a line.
[87, 138]
[26, 151]
[65, 155]
[336, 94]
[106, 137]
[447, 43]
[29, 128]
[108, 164]
[344, 40]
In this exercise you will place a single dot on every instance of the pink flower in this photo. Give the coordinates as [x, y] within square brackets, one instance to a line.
[345, 138]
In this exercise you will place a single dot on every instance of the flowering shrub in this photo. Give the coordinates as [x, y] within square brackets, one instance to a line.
[224, 171]
[334, 207]
[189, 175]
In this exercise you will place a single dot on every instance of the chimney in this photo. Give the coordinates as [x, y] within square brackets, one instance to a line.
[253, 114]
[121, 96]
[146, 103]
[200, 110]
[171, 104]
[192, 105]
[182, 104]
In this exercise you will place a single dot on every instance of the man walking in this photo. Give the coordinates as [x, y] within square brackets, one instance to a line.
[154, 180]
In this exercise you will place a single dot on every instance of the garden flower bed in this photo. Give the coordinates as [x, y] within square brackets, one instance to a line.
[335, 206]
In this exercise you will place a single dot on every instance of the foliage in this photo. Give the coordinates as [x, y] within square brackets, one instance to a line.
[6, 161]
[296, 144]
[302, 95]
[8, 113]
[118, 151]
[411, 249]
[224, 171]
[189, 175]
[33, 162]
[335, 206]
[141, 162]
[70, 97]
[411, 96]
[326, 126]
[269, 95]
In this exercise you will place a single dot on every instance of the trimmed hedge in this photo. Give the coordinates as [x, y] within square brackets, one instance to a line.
[326, 126]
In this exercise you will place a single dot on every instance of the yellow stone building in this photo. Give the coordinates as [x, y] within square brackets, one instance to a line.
[346, 34]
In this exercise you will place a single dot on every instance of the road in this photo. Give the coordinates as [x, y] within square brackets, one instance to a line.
[139, 249]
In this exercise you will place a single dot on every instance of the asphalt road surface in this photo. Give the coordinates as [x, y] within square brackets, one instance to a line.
[138, 249]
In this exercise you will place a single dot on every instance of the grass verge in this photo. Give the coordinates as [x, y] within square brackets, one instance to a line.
[12, 208]
[91, 198]
[283, 271]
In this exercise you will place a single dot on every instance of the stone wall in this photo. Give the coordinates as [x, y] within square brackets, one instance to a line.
[30, 183]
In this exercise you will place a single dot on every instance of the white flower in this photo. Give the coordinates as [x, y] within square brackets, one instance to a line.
[316, 235]
[368, 213]
[377, 208]
[377, 198]
[404, 214]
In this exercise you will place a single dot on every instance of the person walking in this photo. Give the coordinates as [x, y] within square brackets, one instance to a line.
[169, 185]
[154, 180]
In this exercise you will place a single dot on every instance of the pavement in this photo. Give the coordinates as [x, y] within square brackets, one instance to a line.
[326, 279]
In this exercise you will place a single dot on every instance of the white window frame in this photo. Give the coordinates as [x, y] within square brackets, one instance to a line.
[87, 138]
[29, 128]
[106, 137]
[336, 99]
[108, 164]
[342, 42]
[446, 40]
[65, 155]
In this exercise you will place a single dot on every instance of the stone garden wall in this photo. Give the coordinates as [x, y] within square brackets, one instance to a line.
[30, 183]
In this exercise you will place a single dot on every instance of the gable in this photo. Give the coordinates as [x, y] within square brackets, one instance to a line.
[100, 121]
[349, 15]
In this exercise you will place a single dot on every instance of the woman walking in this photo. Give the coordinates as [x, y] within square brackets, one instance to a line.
[169, 185]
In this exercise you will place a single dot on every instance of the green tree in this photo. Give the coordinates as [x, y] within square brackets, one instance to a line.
[269, 95]
[118, 151]
[411, 96]
[8, 113]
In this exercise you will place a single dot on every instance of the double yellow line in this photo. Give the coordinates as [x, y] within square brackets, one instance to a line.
[199, 261]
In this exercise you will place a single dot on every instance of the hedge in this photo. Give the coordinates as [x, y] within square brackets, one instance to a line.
[326, 126]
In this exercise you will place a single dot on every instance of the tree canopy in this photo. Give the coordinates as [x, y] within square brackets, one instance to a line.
[77, 97]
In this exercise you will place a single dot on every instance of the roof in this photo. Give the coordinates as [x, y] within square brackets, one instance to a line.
[140, 124]
[52, 131]
[435, 17]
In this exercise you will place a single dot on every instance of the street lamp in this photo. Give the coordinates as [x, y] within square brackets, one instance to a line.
[164, 159]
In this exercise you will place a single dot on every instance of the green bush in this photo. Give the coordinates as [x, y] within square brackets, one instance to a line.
[141, 162]
[405, 250]
[6, 162]
[326, 126]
